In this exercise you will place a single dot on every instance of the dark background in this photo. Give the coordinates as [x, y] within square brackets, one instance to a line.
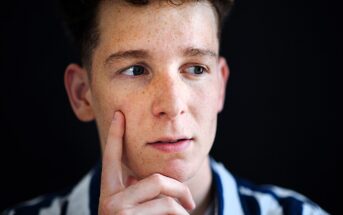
[281, 123]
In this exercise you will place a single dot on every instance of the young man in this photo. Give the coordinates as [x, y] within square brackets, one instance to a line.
[153, 80]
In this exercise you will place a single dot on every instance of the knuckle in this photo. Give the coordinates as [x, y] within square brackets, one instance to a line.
[187, 190]
[108, 206]
[183, 188]
[170, 202]
[123, 212]
[157, 179]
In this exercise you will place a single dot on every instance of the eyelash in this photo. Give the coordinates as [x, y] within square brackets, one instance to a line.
[203, 70]
[132, 67]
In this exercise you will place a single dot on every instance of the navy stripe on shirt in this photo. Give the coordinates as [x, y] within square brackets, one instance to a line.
[235, 197]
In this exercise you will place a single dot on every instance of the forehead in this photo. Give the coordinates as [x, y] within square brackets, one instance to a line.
[123, 11]
[122, 24]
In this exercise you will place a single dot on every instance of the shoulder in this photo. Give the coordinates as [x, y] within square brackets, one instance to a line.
[74, 200]
[275, 199]
[54, 203]
[245, 197]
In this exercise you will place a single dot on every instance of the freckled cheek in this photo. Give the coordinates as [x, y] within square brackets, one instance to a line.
[135, 108]
[121, 100]
[207, 124]
[137, 121]
[204, 110]
[205, 100]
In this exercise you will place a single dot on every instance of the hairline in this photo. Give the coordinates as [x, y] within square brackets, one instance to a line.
[87, 50]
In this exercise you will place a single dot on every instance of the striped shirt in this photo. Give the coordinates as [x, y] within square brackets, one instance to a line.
[233, 197]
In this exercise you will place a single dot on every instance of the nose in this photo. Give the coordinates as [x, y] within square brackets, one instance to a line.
[168, 101]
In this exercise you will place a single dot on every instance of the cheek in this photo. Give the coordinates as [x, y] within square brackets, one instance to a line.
[135, 109]
[104, 108]
[204, 109]
[105, 102]
[204, 101]
[137, 128]
[119, 100]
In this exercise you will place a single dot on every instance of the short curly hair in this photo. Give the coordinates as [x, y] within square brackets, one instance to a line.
[80, 22]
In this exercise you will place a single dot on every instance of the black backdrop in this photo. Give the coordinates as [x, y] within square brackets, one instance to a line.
[281, 122]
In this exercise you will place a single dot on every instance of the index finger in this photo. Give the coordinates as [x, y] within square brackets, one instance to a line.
[111, 175]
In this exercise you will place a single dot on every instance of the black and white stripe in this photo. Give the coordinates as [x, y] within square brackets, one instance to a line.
[234, 197]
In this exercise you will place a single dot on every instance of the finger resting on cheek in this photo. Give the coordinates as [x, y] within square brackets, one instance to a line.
[111, 176]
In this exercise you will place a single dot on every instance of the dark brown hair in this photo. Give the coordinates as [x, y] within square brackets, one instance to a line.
[80, 20]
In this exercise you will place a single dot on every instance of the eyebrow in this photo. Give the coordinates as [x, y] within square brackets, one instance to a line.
[194, 52]
[141, 53]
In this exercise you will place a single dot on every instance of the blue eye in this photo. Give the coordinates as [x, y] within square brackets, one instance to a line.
[134, 71]
[196, 70]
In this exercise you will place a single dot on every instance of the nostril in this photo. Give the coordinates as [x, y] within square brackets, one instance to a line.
[168, 106]
[162, 113]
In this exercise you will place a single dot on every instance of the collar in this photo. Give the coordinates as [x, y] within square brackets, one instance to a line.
[226, 190]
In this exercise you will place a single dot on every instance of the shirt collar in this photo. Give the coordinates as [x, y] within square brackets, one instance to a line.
[226, 190]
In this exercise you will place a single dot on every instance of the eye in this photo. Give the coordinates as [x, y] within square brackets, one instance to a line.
[196, 70]
[134, 70]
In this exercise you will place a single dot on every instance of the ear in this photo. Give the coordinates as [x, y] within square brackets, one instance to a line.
[224, 74]
[77, 86]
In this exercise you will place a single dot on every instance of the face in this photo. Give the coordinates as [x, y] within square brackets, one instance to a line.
[159, 66]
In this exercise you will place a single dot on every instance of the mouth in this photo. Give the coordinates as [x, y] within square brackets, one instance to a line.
[170, 140]
[171, 145]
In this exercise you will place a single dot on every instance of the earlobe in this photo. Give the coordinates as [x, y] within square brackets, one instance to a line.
[78, 90]
[224, 74]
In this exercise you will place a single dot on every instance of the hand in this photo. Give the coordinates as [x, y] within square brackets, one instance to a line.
[155, 194]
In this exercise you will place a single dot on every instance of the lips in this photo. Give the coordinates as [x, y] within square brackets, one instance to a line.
[170, 141]
[171, 145]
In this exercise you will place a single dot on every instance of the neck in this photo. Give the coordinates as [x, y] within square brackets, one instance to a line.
[200, 187]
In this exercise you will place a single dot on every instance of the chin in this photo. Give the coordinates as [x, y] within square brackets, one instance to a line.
[178, 169]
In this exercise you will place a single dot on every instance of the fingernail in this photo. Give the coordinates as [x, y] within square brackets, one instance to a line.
[194, 205]
[115, 116]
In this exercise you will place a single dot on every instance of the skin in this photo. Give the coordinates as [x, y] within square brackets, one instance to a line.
[167, 99]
